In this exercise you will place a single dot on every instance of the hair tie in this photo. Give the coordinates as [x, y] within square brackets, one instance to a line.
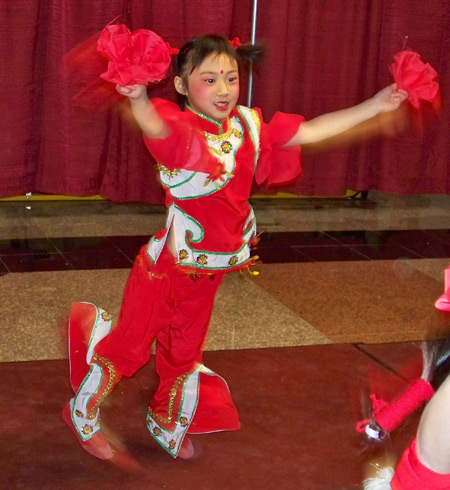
[173, 51]
[236, 42]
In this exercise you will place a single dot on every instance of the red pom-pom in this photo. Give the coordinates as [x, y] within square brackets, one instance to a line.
[134, 57]
[417, 78]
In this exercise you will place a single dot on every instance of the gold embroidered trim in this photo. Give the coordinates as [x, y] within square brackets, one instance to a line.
[172, 395]
[220, 137]
[256, 119]
[109, 386]
[170, 173]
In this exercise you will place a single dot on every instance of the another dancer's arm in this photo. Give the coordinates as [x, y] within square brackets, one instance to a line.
[433, 435]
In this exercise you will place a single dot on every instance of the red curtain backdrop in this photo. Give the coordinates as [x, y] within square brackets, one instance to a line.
[59, 136]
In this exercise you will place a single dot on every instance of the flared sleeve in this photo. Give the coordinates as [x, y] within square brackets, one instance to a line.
[277, 164]
[186, 146]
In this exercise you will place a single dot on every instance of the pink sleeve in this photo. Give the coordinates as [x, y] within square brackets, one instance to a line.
[276, 164]
[186, 145]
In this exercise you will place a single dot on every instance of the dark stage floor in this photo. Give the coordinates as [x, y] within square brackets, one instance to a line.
[298, 407]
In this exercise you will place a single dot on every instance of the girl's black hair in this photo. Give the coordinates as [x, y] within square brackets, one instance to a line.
[195, 51]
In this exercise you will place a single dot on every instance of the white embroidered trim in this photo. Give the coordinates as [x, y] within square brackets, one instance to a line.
[86, 427]
[188, 184]
[188, 231]
[171, 440]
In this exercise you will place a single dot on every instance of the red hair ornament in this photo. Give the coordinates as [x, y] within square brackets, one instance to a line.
[236, 42]
[134, 57]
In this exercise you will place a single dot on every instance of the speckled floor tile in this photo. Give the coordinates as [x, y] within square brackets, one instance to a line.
[252, 318]
[19, 228]
[372, 302]
[78, 219]
[33, 304]
[431, 267]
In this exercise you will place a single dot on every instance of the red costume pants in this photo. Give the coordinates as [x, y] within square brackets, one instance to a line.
[173, 306]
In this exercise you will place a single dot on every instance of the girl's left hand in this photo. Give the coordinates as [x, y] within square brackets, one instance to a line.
[389, 99]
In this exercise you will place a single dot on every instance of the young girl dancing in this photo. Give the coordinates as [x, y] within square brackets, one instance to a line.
[208, 153]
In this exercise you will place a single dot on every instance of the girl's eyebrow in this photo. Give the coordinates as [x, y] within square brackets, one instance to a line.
[216, 73]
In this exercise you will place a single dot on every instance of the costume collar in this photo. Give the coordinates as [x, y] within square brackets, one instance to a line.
[209, 125]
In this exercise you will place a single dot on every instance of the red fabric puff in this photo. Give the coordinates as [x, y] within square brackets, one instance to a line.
[277, 164]
[417, 78]
[186, 145]
[134, 57]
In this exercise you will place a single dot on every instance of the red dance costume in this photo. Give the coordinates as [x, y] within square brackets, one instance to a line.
[412, 474]
[207, 170]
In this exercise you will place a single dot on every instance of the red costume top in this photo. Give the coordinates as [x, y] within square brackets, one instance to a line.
[207, 169]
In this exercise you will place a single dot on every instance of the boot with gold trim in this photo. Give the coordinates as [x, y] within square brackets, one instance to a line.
[82, 413]
[92, 377]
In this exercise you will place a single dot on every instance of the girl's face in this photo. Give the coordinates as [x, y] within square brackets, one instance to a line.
[213, 87]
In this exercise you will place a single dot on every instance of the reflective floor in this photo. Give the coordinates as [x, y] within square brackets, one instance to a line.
[345, 287]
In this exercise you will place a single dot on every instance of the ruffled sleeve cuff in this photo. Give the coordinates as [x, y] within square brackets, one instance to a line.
[185, 147]
[277, 164]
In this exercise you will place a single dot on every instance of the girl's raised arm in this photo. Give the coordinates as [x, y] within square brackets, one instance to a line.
[334, 123]
[144, 111]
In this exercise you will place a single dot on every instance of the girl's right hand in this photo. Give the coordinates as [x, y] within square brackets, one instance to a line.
[132, 91]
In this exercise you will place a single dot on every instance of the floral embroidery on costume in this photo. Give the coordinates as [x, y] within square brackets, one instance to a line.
[87, 429]
[183, 255]
[172, 444]
[202, 259]
[157, 431]
[226, 147]
[79, 414]
[233, 260]
[184, 422]
[106, 317]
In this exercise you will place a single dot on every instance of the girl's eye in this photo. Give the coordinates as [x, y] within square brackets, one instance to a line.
[209, 80]
[231, 80]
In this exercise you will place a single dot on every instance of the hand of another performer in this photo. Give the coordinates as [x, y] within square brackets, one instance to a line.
[389, 99]
[132, 91]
